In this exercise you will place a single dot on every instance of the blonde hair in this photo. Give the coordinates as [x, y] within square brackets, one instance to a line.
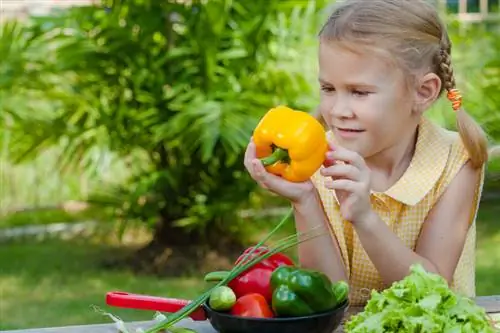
[412, 32]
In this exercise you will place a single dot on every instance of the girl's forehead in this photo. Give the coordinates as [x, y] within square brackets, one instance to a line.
[340, 63]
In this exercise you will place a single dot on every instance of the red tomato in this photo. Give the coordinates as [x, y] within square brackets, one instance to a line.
[252, 305]
[257, 278]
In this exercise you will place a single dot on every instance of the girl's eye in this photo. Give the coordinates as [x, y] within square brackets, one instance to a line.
[360, 93]
[327, 89]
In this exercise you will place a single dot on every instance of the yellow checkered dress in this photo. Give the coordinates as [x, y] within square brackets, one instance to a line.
[439, 155]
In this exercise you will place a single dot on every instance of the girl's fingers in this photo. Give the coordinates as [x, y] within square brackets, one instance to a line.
[259, 170]
[331, 146]
[250, 153]
[342, 184]
[268, 180]
[347, 156]
[254, 165]
[342, 171]
[249, 159]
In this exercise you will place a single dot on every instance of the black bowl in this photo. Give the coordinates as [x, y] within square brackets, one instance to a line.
[325, 322]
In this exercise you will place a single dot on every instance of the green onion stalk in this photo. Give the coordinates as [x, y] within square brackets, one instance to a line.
[239, 268]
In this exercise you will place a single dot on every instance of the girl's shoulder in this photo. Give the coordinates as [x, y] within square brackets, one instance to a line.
[456, 157]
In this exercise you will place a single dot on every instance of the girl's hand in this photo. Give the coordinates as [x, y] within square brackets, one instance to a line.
[351, 182]
[295, 192]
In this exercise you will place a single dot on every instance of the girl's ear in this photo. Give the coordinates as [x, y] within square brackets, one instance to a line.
[427, 91]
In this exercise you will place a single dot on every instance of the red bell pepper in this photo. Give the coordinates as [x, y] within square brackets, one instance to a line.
[252, 305]
[257, 278]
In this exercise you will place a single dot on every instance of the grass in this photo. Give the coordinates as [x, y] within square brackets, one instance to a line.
[50, 215]
[55, 283]
[488, 253]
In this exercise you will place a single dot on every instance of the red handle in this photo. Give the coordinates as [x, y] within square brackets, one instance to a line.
[144, 302]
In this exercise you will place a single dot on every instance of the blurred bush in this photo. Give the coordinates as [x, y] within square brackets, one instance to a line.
[172, 90]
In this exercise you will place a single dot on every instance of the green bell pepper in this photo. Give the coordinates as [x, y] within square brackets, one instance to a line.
[301, 292]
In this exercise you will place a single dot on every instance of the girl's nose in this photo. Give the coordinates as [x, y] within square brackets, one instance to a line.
[341, 109]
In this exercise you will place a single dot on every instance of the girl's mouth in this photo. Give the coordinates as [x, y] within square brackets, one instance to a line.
[348, 132]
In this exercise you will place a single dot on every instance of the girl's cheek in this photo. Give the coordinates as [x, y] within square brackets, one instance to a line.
[324, 107]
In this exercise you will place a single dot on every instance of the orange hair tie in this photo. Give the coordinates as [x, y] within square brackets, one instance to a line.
[455, 98]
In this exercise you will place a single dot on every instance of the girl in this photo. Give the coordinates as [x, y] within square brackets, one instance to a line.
[397, 189]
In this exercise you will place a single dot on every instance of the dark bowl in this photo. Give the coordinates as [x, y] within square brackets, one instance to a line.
[325, 322]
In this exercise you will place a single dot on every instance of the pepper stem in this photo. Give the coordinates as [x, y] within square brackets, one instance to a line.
[216, 276]
[278, 155]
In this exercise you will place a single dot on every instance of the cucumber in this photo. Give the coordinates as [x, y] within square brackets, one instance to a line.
[341, 291]
[222, 298]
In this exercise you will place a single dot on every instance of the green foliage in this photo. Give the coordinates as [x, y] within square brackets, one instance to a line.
[176, 88]
[479, 47]
[173, 90]
[24, 54]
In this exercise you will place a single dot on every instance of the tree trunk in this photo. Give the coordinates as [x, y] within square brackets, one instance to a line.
[175, 252]
[168, 235]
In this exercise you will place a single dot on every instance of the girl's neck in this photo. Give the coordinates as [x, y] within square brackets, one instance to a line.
[389, 165]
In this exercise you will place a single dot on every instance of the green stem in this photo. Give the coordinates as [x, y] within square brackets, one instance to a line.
[278, 155]
[180, 330]
[216, 276]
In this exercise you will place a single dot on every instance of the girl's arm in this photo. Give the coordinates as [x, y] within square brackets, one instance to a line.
[441, 241]
[321, 253]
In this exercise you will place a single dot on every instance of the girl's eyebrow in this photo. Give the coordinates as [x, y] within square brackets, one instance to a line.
[323, 81]
[350, 85]
[360, 85]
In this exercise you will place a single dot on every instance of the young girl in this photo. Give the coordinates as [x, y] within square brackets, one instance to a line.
[397, 189]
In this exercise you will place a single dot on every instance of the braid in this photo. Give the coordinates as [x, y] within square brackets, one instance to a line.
[446, 70]
[472, 135]
[449, 79]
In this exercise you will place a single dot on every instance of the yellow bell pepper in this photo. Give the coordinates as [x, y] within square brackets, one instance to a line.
[290, 143]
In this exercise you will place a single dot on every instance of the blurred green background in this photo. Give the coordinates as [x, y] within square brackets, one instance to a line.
[122, 131]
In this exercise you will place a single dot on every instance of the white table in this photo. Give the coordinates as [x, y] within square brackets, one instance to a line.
[490, 303]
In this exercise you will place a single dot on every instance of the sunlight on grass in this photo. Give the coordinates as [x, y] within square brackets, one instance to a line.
[52, 215]
[56, 283]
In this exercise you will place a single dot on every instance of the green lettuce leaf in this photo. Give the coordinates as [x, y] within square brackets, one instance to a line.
[420, 303]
